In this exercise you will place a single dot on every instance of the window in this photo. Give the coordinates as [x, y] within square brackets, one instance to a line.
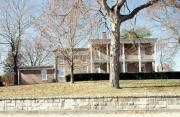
[97, 53]
[97, 69]
[143, 68]
[61, 59]
[84, 57]
[61, 72]
[44, 74]
[142, 52]
[85, 69]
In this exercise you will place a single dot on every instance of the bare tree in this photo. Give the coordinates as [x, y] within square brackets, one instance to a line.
[14, 22]
[165, 55]
[36, 52]
[169, 21]
[168, 26]
[172, 3]
[116, 18]
[67, 28]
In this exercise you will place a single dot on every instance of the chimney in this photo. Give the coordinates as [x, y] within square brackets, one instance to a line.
[104, 35]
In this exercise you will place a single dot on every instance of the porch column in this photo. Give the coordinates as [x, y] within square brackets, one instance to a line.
[139, 56]
[107, 56]
[123, 58]
[155, 64]
[140, 66]
[91, 59]
[124, 66]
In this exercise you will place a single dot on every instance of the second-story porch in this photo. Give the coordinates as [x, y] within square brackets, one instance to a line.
[131, 51]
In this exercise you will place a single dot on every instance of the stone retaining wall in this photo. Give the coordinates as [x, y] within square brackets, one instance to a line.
[92, 103]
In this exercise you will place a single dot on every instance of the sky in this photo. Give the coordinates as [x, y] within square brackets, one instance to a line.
[141, 21]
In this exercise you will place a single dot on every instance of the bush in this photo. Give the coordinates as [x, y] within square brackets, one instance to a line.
[125, 76]
[1, 84]
[89, 76]
[7, 79]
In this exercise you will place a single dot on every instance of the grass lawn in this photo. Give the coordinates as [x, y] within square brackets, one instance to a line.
[94, 88]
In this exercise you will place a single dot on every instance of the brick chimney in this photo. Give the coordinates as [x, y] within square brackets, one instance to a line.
[104, 35]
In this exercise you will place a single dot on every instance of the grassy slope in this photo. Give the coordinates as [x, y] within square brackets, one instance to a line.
[94, 88]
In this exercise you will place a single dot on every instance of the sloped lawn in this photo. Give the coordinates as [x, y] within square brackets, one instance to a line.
[94, 88]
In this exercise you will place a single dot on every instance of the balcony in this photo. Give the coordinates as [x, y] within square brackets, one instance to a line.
[102, 58]
[131, 57]
[147, 57]
[136, 57]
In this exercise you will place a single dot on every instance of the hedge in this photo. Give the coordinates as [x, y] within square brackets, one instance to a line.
[125, 76]
[1, 84]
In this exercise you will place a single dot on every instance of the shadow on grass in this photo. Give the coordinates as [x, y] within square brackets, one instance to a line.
[158, 86]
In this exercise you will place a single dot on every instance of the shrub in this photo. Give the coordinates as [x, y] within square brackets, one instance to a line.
[125, 76]
[89, 76]
[7, 79]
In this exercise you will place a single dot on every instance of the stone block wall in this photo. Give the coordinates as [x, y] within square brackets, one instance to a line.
[60, 104]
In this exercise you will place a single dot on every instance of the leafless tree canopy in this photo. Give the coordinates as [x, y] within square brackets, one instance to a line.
[36, 52]
[167, 18]
[14, 22]
[68, 25]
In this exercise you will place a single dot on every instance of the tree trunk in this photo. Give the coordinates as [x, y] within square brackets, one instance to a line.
[72, 67]
[72, 73]
[15, 69]
[56, 68]
[114, 55]
[161, 61]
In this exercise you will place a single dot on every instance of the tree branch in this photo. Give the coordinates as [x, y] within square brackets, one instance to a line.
[120, 3]
[137, 9]
[104, 4]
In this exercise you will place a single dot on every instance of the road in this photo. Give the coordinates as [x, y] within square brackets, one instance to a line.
[162, 114]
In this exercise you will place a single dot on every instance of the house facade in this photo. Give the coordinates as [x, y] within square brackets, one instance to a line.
[136, 55]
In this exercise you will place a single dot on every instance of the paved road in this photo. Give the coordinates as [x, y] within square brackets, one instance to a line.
[163, 114]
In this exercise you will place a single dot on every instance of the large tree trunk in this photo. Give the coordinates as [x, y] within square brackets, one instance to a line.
[115, 54]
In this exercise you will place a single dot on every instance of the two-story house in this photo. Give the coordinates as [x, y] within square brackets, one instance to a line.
[136, 55]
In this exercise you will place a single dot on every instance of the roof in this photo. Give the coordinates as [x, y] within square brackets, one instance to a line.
[36, 68]
[123, 40]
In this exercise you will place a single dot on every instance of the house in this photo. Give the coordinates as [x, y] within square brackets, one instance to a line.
[136, 55]
[35, 75]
